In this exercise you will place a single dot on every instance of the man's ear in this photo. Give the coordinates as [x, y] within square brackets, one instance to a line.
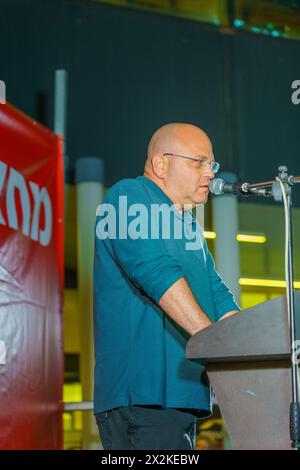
[159, 165]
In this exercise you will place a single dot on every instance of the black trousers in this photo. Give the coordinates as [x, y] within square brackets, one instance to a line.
[147, 427]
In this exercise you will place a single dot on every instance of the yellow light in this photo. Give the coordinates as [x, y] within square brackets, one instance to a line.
[241, 237]
[67, 421]
[265, 283]
[72, 392]
[209, 234]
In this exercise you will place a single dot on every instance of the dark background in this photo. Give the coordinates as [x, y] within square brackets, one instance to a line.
[133, 71]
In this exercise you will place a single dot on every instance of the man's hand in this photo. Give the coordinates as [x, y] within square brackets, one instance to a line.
[228, 314]
[180, 304]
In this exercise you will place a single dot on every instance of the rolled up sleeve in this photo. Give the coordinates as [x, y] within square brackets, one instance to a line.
[223, 298]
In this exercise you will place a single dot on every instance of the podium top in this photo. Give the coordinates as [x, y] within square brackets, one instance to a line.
[260, 333]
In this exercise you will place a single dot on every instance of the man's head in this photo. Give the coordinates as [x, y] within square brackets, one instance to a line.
[184, 181]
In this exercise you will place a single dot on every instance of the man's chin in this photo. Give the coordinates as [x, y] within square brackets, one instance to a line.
[200, 196]
[200, 200]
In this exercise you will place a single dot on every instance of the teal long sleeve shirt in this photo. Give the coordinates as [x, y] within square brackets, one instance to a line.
[139, 350]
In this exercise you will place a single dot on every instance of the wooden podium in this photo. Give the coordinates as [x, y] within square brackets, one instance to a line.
[247, 358]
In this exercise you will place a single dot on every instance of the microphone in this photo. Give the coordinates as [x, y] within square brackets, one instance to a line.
[218, 186]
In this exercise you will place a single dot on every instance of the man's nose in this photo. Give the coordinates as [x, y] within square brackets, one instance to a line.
[209, 172]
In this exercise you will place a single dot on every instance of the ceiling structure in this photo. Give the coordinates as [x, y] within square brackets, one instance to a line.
[277, 18]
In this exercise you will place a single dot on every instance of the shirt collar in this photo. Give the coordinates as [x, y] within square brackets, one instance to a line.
[185, 216]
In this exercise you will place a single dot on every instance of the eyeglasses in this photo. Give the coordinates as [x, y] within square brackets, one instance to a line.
[215, 166]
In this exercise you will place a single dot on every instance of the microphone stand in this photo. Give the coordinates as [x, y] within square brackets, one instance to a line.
[281, 188]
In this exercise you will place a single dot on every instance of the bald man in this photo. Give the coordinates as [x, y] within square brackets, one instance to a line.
[152, 290]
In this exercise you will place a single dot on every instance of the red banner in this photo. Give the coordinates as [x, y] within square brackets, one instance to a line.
[31, 283]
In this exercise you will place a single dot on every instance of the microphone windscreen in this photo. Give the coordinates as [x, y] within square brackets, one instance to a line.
[216, 186]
